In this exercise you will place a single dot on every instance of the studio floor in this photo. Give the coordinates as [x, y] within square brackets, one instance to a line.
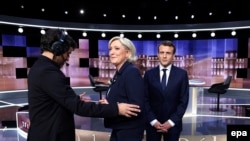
[203, 125]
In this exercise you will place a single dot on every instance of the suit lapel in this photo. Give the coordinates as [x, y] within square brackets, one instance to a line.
[171, 77]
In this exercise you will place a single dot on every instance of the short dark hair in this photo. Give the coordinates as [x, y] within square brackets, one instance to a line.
[167, 43]
[55, 35]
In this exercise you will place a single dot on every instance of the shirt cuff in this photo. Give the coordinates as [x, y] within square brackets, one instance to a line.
[171, 122]
[153, 122]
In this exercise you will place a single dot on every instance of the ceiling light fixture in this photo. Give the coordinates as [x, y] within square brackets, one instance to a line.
[42, 31]
[84, 34]
[122, 35]
[176, 35]
[194, 35]
[233, 33]
[81, 11]
[20, 30]
[158, 36]
[212, 34]
[139, 35]
[103, 35]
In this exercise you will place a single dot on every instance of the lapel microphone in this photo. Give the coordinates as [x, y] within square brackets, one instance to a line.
[114, 78]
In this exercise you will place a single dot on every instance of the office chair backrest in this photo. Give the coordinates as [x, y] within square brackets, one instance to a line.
[227, 82]
[92, 80]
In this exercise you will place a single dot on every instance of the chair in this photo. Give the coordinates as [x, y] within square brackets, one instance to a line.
[220, 88]
[98, 86]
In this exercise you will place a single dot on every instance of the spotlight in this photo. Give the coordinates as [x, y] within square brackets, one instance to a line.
[122, 35]
[158, 36]
[81, 11]
[233, 33]
[176, 35]
[103, 35]
[42, 31]
[212, 34]
[194, 35]
[20, 30]
[84, 34]
[139, 36]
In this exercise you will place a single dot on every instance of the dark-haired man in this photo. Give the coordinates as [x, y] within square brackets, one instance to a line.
[167, 92]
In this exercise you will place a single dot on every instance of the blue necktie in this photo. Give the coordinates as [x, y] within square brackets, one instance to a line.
[164, 79]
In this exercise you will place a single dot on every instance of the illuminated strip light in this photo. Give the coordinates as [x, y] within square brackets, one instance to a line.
[13, 91]
[120, 28]
[12, 104]
[8, 104]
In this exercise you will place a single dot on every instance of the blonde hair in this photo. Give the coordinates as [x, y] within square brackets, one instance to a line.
[128, 44]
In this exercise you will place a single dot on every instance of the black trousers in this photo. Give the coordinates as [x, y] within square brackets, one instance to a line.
[135, 134]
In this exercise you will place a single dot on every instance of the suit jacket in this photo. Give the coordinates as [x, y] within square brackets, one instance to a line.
[128, 87]
[52, 104]
[170, 103]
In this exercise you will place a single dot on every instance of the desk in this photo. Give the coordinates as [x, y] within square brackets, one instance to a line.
[195, 89]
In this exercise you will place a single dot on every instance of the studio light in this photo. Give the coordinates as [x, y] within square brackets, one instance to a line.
[176, 35]
[42, 31]
[139, 36]
[212, 34]
[194, 35]
[20, 30]
[84, 34]
[233, 33]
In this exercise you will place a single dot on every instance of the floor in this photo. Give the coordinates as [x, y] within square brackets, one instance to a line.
[204, 125]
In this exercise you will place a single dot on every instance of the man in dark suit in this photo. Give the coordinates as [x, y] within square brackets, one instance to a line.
[167, 96]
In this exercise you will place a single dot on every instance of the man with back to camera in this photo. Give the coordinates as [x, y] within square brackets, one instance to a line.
[166, 96]
[52, 102]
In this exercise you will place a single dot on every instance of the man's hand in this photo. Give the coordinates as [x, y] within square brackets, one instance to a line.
[84, 98]
[128, 110]
[164, 127]
[103, 101]
[159, 127]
